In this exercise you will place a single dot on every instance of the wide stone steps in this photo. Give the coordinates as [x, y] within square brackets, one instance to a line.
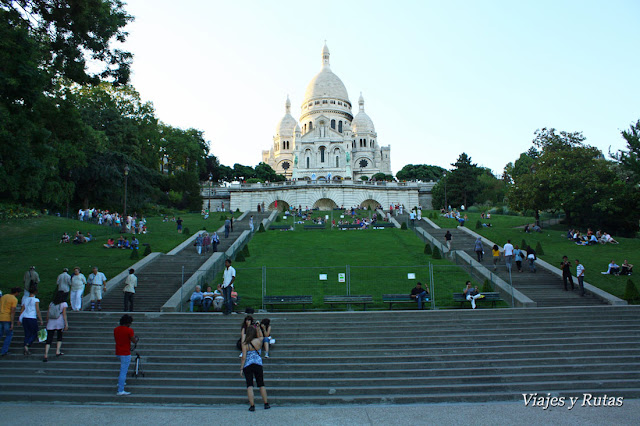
[159, 280]
[372, 357]
[543, 287]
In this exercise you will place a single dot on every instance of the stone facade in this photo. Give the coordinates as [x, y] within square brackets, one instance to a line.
[328, 142]
[327, 196]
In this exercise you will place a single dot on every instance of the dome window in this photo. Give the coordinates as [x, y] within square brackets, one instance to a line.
[340, 103]
[317, 103]
[333, 124]
[333, 102]
[340, 126]
[324, 102]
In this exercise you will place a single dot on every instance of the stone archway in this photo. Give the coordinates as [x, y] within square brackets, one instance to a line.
[370, 204]
[325, 204]
[282, 205]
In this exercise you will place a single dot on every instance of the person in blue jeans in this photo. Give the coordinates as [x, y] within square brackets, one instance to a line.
[8, 304]
[124, 337]
[196, 298]
[419, 294]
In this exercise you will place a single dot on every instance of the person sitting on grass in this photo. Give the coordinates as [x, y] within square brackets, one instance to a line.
[607, 238]
[472, 294]
[65, 238]
[125, 244]
[120, 242]
[626, 268]
[419, 294]
[110, 243]
[613, 269]
[135, 243]
[593, 240]
[196, 298]
[79, 238]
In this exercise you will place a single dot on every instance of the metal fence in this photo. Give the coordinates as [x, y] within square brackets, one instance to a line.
[252, 284]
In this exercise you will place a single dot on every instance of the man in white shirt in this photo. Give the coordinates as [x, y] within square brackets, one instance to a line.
[98, 283]
[130, 284]
[228, 279]
[64, 282]
[508, 254]
[580, 275]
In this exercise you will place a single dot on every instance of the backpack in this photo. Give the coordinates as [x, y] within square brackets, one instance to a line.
[54, 311]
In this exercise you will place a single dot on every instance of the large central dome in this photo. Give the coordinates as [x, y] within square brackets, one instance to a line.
[326, 84]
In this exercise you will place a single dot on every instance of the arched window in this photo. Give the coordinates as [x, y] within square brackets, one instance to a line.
[333, 124]
[322, 154]
[337, 161]
[340, 126]
[307, 162]
[310, 125]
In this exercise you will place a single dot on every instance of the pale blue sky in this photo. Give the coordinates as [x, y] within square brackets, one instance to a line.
[439, 77]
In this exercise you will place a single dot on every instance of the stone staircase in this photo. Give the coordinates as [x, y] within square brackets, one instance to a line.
[543, 287]
[160, 279]
[361, 357]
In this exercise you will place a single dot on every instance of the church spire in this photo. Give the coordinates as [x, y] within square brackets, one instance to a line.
[325, 55]
[361, 102]
[287, 106]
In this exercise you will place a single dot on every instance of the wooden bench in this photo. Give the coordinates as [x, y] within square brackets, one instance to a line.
[315, 227]
[279, 227]
[288, 300]
[492, 297]
[401, 298]
[349, 300]
[381, 225]
[349, 226]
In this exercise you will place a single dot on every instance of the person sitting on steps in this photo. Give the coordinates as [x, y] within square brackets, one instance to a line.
[196, 298]
[472, 294]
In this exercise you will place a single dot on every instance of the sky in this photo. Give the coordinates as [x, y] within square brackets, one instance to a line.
[438, 77]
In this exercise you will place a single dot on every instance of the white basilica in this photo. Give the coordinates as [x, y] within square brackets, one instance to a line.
[328, 143]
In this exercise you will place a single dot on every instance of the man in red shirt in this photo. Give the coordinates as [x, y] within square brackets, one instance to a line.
[124, 336]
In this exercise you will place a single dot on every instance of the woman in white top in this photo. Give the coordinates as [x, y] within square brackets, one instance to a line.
[57, 324]
[29, 316]
[78, 282]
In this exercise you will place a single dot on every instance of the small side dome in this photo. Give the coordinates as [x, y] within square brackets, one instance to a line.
[362, 123]
[287, 124]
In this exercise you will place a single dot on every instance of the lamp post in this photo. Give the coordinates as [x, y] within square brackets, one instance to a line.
[444, 177]
[124, 213]
[210, 183]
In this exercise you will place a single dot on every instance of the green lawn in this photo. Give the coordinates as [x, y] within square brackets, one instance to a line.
[375, 261]
[35, 242]
[555, 245]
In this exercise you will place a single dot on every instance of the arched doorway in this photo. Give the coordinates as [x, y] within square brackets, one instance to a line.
[282, 205]
[370, 204]
[325, 204]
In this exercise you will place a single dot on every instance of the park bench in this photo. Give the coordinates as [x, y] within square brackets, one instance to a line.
[287, 300]
[279, 227]
[315, 227]
[349, 226]
[349, 300]
[382, 225]
[400, 298]
[492, 297]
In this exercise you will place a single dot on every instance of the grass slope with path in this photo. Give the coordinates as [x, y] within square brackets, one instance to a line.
[379, 262]
[555, 245]
[35, 242]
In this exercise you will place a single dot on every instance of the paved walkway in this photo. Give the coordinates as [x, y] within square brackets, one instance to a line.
[419, 414]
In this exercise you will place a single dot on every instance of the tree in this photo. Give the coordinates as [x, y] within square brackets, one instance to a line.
[422, 172]
[630, 159]
[461, 183]
[264, 172]
[381, 177]
[570, 176]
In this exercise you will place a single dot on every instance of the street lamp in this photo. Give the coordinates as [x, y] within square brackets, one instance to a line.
[444, 177]
[210, 183]
[124, 213]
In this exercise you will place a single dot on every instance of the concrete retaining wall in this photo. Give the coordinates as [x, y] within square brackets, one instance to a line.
[507, 292]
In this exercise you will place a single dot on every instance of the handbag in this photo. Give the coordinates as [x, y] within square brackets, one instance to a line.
[42, 335]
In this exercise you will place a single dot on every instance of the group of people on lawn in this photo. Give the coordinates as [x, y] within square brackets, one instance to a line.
[123, 243]
[79, 238]
[133, 224]
[591, 238]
